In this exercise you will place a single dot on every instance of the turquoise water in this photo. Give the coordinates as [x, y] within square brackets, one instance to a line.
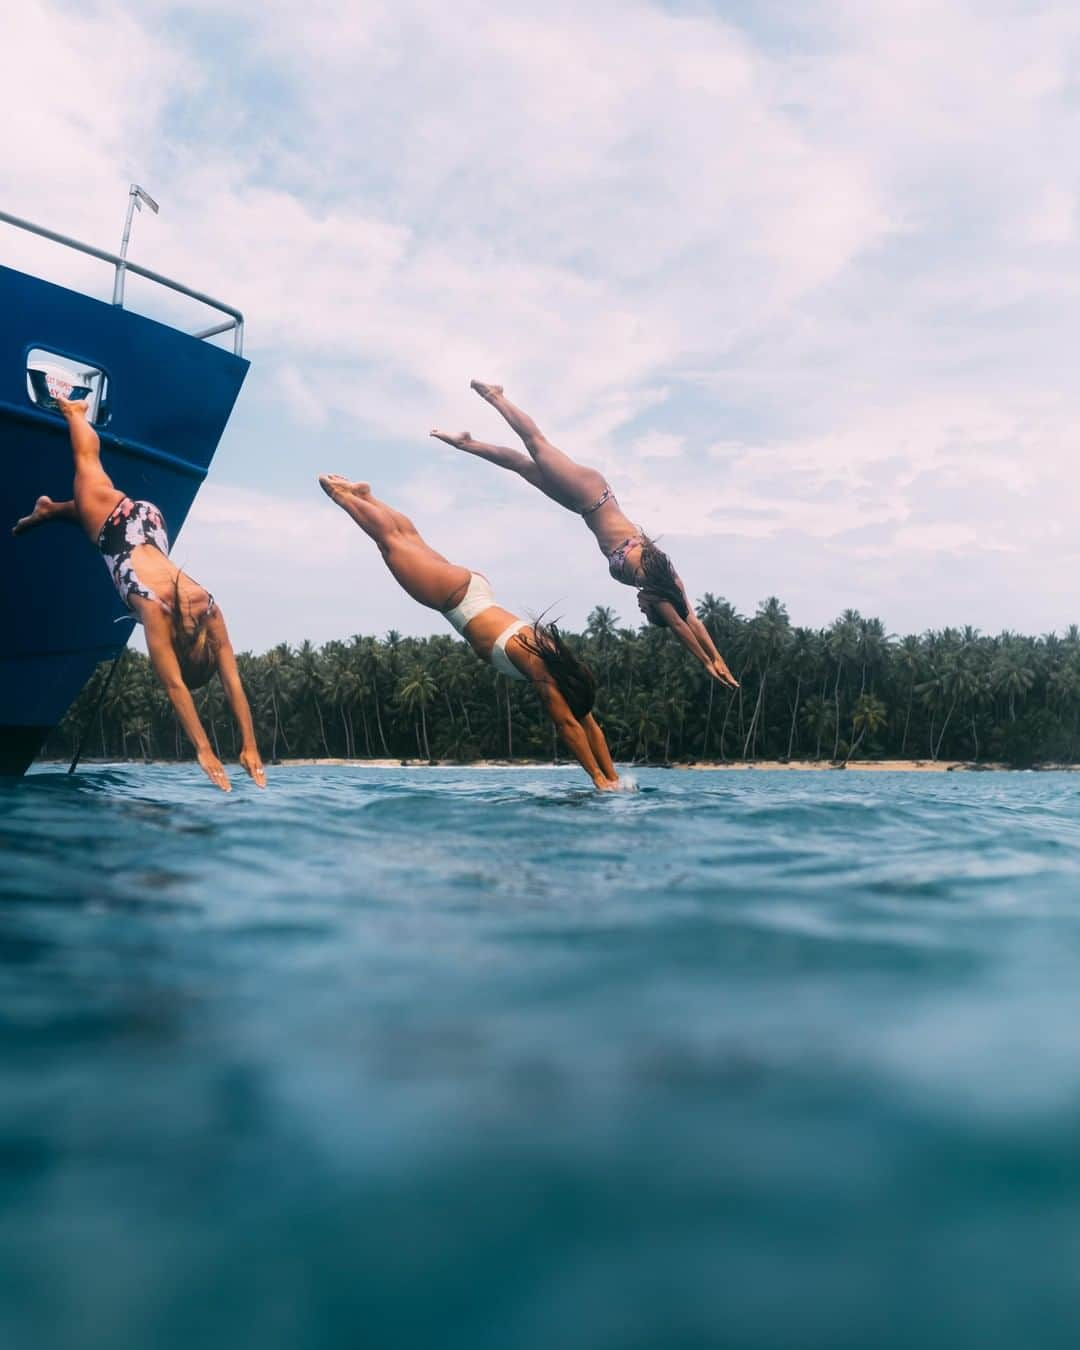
[476, 1057]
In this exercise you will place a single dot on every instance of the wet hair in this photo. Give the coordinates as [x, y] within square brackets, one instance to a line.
[572, 677]
[660, 580]
[194, 651]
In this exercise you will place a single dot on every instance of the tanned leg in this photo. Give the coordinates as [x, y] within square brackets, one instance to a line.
[572, 485]
[424, 574]
[501, 455]
[95, 493]
[45, 510]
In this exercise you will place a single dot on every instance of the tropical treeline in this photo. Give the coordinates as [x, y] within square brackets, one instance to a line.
[851, 690]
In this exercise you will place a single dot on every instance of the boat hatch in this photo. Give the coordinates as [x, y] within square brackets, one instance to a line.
[50, 375]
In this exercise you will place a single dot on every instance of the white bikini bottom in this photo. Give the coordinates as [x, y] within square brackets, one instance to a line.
[499, 658]
[478, 598]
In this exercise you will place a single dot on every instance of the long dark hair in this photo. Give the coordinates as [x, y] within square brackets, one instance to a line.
[660, 579]
[194, 650]
[573, 678]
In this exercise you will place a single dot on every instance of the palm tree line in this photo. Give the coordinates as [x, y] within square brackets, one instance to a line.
[848, 691]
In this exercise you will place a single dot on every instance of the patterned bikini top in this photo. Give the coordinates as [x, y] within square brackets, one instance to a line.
[131, 524]
[619, 564]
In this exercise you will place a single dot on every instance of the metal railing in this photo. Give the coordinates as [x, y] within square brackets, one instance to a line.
[234, 324]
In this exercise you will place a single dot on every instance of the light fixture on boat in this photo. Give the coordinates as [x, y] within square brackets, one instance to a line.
[136, 197]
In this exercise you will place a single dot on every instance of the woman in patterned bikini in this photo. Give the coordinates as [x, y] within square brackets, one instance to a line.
[632, 556]
[185, 634]
[516, 648]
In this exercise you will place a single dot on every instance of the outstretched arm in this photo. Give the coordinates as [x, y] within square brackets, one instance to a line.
[574, 736]
[167, 669]
[236, 697]
[687, 634]
[598, 742]
[720, 668]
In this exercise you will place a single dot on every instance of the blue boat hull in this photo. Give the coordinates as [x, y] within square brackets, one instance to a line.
[170, 398]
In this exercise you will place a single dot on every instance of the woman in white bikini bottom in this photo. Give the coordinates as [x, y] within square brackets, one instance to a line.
[535, 652]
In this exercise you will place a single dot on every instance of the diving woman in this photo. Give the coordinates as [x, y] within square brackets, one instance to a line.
[633, 558]
[521, 650]
[185, 631]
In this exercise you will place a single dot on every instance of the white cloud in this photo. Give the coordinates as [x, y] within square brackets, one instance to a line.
[942, 537]
[658, 445]
[806, 298]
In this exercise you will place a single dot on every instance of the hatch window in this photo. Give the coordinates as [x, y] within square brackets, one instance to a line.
[49, 376]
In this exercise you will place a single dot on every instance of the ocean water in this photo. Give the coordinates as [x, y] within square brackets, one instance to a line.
[477, 1058]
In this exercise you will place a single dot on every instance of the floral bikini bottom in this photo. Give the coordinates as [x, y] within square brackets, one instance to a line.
[132, 524]
[617, 565]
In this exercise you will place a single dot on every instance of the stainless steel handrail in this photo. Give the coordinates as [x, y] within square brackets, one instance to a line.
[235, 323]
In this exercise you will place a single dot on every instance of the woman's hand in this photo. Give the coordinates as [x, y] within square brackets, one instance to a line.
[719, 671]
[214, 769]
[229, 673]
[251, 760]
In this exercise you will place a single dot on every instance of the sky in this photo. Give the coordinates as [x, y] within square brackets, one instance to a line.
[801, 278]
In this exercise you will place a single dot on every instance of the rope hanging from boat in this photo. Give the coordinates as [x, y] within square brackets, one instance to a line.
[96, 709]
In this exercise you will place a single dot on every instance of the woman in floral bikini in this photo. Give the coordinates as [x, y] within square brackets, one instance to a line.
[185, 634]
[633, 558]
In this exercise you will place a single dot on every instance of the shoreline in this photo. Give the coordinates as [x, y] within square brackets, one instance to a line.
[699, 766]
[702, 766]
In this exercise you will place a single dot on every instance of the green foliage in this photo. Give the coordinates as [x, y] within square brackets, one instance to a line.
[844, 692]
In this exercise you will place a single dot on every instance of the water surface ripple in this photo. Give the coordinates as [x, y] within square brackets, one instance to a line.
[441, 1057]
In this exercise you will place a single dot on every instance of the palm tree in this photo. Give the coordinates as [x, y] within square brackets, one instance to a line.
[719, 617]
[802, 652]
[342, 686]
[601, 632]
[674, 705]
[843, 646]
[644, 726]
[869, 717]
[415, 691]
[1011, 674]
[600, 626]
[818, 719]
[770, 630]
[506, 684]
[708, 721]
[910, 660]
[370, 660]
[309, 679]
[872, 644]
[276, 664]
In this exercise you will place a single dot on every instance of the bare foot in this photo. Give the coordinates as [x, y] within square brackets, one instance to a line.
[339, 489]
[44, 507]
[69, 409]
[488, 391]
[461, 441]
